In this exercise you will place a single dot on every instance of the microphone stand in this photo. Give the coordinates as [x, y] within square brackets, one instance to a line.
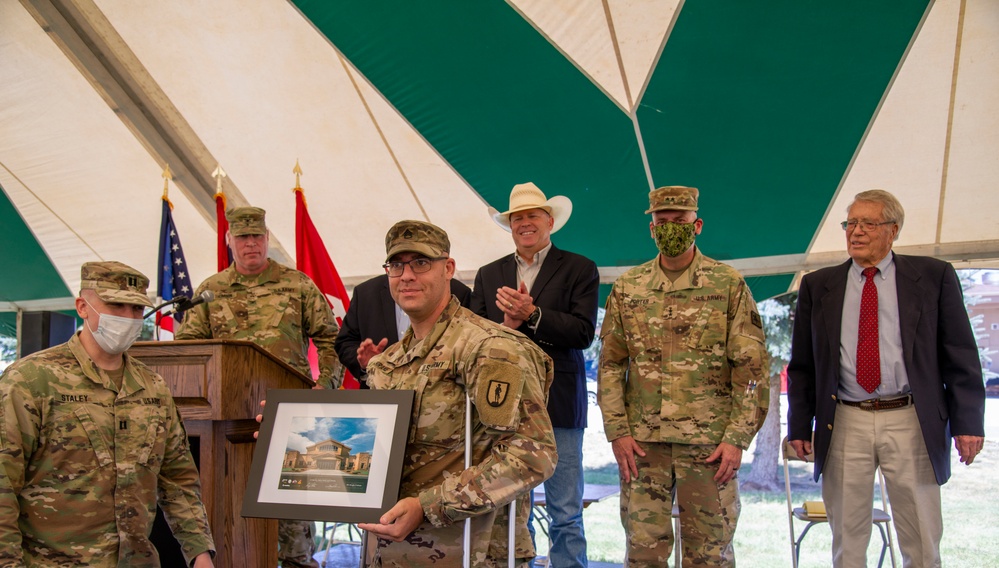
[174, 301]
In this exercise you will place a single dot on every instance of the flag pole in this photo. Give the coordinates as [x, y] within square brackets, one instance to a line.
[167, 176]
[222, 226]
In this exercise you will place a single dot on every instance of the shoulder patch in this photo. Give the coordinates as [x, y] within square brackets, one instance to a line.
[755, 318]
[496, 393]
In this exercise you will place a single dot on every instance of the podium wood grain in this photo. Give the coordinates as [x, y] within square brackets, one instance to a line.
[218, 386]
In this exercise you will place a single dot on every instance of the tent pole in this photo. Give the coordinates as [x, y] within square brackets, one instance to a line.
[20, 314]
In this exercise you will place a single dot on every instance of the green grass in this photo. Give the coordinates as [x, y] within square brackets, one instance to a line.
[970, 511]
[971, 521]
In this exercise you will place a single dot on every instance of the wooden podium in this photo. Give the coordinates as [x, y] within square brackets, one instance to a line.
[218, 386]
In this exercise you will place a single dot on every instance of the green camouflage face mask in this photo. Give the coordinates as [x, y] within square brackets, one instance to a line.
[673, 239]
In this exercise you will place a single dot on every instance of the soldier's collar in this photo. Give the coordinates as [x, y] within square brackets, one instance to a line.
[270, 274]
[688, 279]
[129, 385]
[428, 342]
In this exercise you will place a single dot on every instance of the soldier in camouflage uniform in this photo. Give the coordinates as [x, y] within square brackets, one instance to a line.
[279, 309]
[447, 352]
[91, 442]
[683, 389]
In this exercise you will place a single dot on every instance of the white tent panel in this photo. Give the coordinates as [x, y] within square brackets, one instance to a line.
[267, 73]
[972, 199]
[436, 187]
[642, 27]
[904, 151]
[60, 143]
[581, 29]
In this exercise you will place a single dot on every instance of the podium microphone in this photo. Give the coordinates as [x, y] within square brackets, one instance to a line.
[173, 301]
[185, 304]
[182, 303]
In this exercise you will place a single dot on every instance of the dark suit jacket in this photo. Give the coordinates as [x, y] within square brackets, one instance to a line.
[938, 347]
[372, 315]
[566, 290]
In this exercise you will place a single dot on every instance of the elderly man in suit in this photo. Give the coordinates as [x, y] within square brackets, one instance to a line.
[374, 317]
[550, 295]
[884, 360]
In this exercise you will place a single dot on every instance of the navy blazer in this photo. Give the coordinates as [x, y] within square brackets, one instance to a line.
[372, 315]
[938, 348]
[567, 291]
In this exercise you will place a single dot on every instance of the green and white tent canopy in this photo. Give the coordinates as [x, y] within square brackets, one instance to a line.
[779, 111]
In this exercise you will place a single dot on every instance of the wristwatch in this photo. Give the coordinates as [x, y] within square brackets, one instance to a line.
[533, 319]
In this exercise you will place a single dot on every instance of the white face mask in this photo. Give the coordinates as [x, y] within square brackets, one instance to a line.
[115, 334]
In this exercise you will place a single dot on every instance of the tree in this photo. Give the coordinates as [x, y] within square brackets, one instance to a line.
[969, 279]
[8, 349]
[776, 315]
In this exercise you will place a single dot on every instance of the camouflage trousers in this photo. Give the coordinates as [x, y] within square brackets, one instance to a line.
[708, 511]
[297, 544]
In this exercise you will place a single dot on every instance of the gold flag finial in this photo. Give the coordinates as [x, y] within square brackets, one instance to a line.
[167, 176]
[218, 174]
[298, 175]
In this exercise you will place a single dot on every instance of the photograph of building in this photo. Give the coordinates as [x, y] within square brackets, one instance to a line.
[328, 454]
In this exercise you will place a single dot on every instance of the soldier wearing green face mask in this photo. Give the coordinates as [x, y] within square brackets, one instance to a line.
[683, 389]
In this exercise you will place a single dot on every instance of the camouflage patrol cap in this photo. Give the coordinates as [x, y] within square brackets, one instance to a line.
[673, 197]
[115, 283]
[416, 236]
[246, 221]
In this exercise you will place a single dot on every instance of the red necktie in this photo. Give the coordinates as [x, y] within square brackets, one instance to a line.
[868, 351]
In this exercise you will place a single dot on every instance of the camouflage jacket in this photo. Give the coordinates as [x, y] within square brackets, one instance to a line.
[84, 464]
[685, 361]
[279, 309]
[513, 445]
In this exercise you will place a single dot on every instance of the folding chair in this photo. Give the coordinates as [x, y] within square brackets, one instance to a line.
[881, 518]
[329, 534]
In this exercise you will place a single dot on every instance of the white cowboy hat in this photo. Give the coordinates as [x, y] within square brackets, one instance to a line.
[526, 196]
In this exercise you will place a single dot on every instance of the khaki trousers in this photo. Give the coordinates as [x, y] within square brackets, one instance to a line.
[862, 441]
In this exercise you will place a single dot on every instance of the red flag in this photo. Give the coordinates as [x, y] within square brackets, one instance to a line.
[225, 257]
[315, 262]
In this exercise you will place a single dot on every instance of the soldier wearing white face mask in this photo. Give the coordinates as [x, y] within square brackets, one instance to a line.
[114, 334]
[93, 434]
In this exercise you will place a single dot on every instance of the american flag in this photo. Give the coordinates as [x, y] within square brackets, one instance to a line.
[174, 279]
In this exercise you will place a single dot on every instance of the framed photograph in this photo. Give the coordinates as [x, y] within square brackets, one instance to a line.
[329, 455]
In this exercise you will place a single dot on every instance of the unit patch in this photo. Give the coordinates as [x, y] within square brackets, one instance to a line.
[496, 395]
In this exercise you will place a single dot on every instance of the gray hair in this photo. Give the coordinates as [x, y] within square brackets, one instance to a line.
[892, 207]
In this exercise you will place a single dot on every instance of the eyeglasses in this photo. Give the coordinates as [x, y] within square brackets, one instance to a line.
[418, 266]
[867, 226]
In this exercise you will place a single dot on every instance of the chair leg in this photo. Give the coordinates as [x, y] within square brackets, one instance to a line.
[329, 542]
[797, 545]
[884, 545]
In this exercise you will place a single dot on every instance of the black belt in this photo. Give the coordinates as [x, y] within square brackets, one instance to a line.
[880, 403]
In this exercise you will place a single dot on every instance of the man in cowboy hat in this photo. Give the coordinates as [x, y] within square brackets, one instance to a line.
[550, 295]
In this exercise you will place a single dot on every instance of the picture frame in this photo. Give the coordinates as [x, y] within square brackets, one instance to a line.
[329, 455]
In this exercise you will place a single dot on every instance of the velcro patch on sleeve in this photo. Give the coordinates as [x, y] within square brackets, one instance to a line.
[498, 389]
